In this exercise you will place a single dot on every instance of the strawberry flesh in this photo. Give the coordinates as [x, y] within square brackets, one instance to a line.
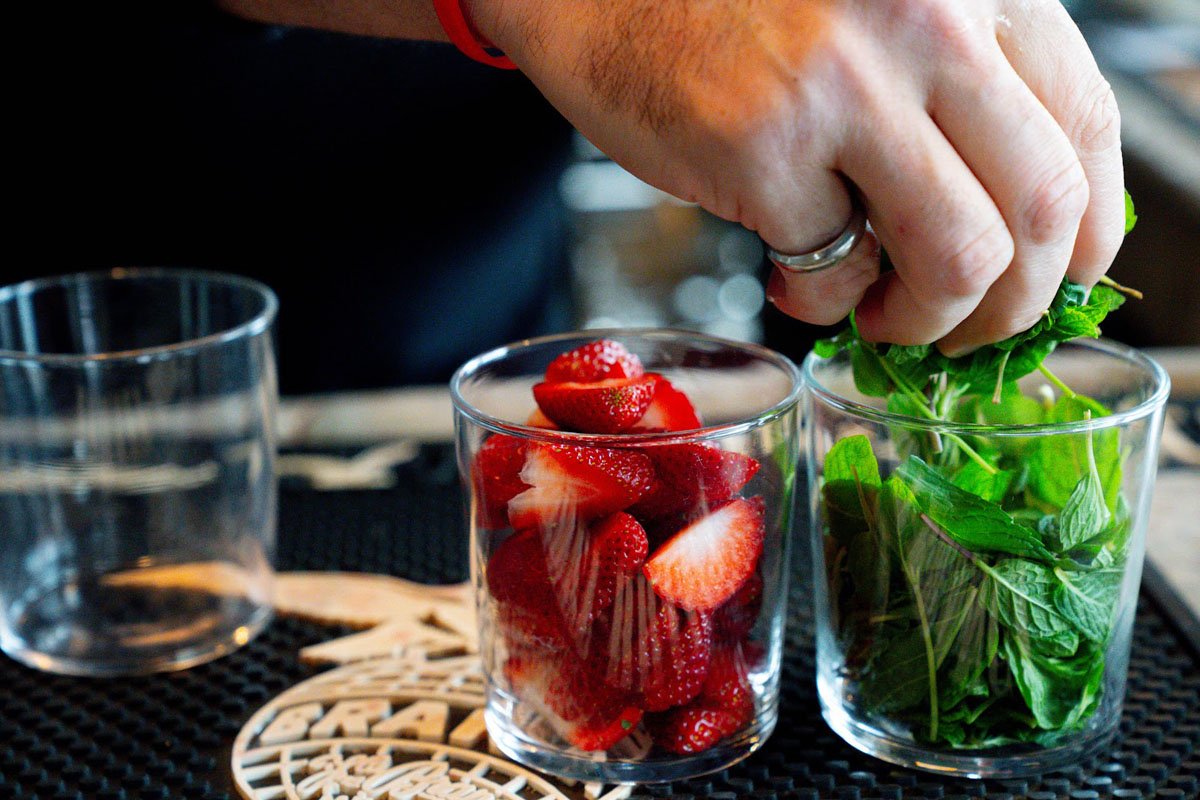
[734, 620]
[608, 406]
[595, 361]
[703, 565]
[670, 410]
[570, 484]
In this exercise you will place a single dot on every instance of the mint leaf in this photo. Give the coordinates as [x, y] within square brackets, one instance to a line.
[1023, 598]
[1131, 217]
[975, 523]
[1059, 692]
[1089, 600]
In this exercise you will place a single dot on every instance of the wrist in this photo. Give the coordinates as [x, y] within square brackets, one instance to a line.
[460, 20]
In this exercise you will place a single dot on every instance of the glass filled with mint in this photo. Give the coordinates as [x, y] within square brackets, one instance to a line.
[978, 530]
[629, 498]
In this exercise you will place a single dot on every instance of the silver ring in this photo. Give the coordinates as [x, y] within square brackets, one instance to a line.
[831, 254]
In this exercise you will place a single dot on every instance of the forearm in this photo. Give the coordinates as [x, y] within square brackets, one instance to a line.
[396, 19]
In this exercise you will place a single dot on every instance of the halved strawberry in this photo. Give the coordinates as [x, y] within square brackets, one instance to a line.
[727, 686]
[595, 361]
[648, 646]
[587, 565]
[620, 545]
[496, 473]
[607, 406]
[701, 566]
[518, 581]
[539, 420]
[694, 476]
[571, 484]
[734, 620]
[566, 692]
[691, 729]
[670, 410]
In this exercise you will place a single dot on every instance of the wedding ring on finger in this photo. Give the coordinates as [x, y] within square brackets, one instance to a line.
[831, 254]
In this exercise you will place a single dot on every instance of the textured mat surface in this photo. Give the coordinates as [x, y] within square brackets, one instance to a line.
[169, 736]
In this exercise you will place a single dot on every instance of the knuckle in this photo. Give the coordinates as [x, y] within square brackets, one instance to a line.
[1057, 205]
[1013, 323]
[1097, 127]
[976, 264]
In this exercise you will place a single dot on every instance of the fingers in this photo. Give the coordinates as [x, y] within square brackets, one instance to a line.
[824, 297]
[1046, 49]
[946, 237]
[1022, 157]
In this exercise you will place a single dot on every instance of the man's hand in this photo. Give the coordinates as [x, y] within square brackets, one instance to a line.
[980, 135]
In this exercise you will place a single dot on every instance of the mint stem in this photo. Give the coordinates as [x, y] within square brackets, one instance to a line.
[919, 400]
[1050, 376]
[996, 395]
[1110, 283]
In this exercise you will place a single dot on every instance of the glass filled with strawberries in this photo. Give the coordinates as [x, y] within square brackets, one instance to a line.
[629, 496]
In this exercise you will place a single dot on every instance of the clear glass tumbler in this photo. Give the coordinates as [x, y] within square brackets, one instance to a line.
[979, 565]
[137, 480]
[612, 661]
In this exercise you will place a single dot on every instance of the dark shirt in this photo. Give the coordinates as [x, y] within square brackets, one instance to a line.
[400, 198]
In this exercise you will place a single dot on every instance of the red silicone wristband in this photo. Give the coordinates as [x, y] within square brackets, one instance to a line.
[463, 36]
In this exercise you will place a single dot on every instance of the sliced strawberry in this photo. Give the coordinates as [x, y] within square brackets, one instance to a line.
[727, 686]
[539, 420]
[694, 476]
[595, 361]
[608, 406]
[527, 612]
[496, 473]
[670, 410]
[620, 545]
[648, 646]
[579, 706]
[691, 729]
[570, 484]
[684, 646]
[734, 620]
[588, 564]
[701, 566]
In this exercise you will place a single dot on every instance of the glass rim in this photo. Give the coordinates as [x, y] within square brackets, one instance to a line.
[497, 425]
[253, 326]
[1154, 402]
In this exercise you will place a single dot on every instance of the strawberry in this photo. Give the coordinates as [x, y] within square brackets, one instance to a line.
[670, 410]
[569, 484]
[518, 582]
[620, 545]
[587, 565]
[648, 646]
[701, 566]
[595, 361]
[496, 473]
[691, 729]
[727, 686]
[694, 476]
[539, 420]
[607, 406]
[683, 643]
[567, 693]
[733, 621]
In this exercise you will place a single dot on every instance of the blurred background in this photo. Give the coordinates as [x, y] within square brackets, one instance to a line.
[412, 208]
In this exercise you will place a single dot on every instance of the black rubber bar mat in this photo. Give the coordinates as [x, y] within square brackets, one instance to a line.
[169, 736]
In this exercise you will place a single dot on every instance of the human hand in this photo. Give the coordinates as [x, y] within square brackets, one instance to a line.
[979, 133]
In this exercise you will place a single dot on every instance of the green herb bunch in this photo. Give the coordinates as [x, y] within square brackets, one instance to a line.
[974, 589]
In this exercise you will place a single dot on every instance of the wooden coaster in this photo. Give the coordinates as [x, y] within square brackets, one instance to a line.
[403, 716]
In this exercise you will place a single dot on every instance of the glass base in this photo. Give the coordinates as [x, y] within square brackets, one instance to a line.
[605, 768]
[966, 763]
[129, 630]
